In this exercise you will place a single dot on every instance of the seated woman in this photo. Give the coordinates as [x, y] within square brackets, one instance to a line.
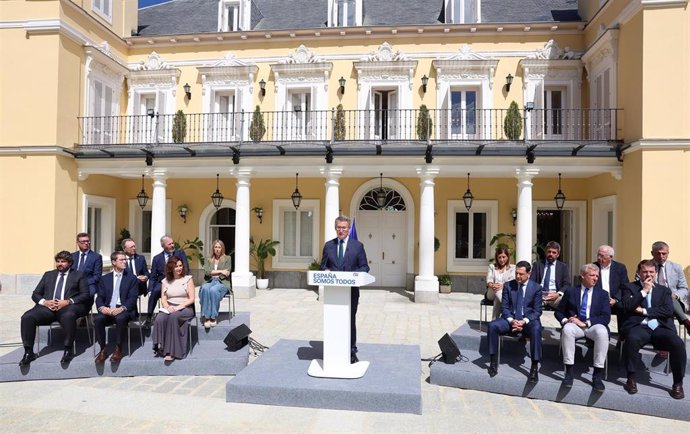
[500, 272]
[177, 307]
[217, 275]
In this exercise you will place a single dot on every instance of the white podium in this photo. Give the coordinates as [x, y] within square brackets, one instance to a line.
[336, 323]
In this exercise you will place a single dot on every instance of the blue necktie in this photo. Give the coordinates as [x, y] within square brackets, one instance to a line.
[57, 294]
[583, 306]
[519, 309]
[82, 261]
[547, 276]
[341, 250]
[652, 323]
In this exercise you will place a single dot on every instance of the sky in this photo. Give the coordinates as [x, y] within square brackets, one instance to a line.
[144, 3]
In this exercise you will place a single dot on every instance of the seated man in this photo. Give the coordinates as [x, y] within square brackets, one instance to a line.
[552, 274]
[158, 272]
[670, 275]
[648, 310]
[521, 308]
[585, 312]
[61, 295]
[116, 302]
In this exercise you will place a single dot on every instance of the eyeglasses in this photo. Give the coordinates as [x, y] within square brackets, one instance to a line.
[342, 228]
[84, 241]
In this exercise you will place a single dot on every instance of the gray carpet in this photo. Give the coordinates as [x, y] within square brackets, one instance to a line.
[279, 377]
[209, 356]
[471, 373]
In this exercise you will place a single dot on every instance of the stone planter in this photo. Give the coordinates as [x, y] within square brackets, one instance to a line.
[261, 283]
[444, 289]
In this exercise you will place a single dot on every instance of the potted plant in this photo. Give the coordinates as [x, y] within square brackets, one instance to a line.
[339, 123]
[259, 252]
[179, 127]
[445, 283]
[512, 124]
[425, 126]
[257, 128]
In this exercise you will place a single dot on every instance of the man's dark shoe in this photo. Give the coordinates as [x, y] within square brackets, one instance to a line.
[29, 357]
[568, 377]
[101, 356]
[534, 373]
[493, 369]
[598, 383]
[631, 386]
[147, 323]
[353, 358]
[117, 355]
[677, 391]
[67, 356]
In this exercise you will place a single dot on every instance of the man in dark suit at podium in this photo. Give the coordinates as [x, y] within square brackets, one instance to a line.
[346, 254]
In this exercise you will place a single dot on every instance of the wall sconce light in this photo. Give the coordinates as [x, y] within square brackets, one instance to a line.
[142, 197]
[262, 87]
[296, 196]
[187, 90]
[513, 213]
[425, 81]
[559, 197]
[341, 82]
[182, 211]
[529, 106]
[217, 196]
[509, 81]
[468, 197]
[381, 194]
[259, 213]
[150, 113]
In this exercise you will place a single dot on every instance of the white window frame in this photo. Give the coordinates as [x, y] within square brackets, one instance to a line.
[477, 89]
[242, 15]
[107, 235]
[291, 262]
[452, 5]
[135, 229]
[490, 207]
[600, 208]
[334, 9]
[99, 8]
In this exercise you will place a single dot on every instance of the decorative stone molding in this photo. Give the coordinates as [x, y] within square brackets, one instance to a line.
[385, 64]
[153, 72]
[605, 49]
[153, 63]
[544, 69]
[385, 53]
[551, 51]
[464, 65]
[302, 66]
[301, 55]
[465, 53]
[228, 71]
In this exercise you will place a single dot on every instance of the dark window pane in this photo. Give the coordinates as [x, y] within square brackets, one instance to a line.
[479, 235]
[461, 235]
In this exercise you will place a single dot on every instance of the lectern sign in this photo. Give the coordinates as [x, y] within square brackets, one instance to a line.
[336, 323]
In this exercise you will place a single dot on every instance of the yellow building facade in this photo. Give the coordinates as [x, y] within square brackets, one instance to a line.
[88, 101]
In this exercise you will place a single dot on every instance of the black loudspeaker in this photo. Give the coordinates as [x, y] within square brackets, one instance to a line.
[237, 337]
[450, 352]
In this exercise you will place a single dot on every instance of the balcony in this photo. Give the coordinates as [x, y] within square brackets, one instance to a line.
[357, 132]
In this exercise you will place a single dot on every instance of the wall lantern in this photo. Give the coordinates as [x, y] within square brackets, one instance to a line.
[296, 196]
[559, 197]
[509, 81]
[468, 198]
[182, 211]
[259, 213]
[187, 90]
[513, 214]
[425, 81]
[142, 197]
[217, 196]
[381, 194]
[341, 82]
[262, 87]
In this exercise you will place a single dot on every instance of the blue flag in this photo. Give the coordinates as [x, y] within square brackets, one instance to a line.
[353, 231]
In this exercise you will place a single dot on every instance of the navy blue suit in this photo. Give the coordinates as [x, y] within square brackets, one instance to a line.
[76, 290]
[562, 278]
[128, 300]
[637, 333]
[531, 309]
[158, 274]
[354, 259]
[141, 269]
[93, 268]
[599, 311]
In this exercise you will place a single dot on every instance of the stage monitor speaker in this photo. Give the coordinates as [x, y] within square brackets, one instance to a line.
[450, 352]
[237, 337]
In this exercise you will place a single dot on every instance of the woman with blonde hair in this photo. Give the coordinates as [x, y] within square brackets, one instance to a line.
[217, 277]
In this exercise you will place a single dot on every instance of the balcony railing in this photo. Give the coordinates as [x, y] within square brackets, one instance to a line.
[367, 126]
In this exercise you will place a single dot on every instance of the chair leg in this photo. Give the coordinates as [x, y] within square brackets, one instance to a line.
[38, 339]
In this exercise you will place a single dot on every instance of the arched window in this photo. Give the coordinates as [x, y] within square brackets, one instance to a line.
[394, 202]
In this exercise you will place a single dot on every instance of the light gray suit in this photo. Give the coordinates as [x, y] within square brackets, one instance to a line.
[675, 280]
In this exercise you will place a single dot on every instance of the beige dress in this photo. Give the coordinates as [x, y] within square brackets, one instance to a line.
[496, 276]
[170, 330]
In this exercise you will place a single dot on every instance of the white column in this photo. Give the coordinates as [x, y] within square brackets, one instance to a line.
[426, 283]
[158, 212]
[332, 208]
[243, 281]
[523, 226]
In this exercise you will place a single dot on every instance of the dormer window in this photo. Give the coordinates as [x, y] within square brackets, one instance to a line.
[463, 11]
[344, 13]
[233, 15]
